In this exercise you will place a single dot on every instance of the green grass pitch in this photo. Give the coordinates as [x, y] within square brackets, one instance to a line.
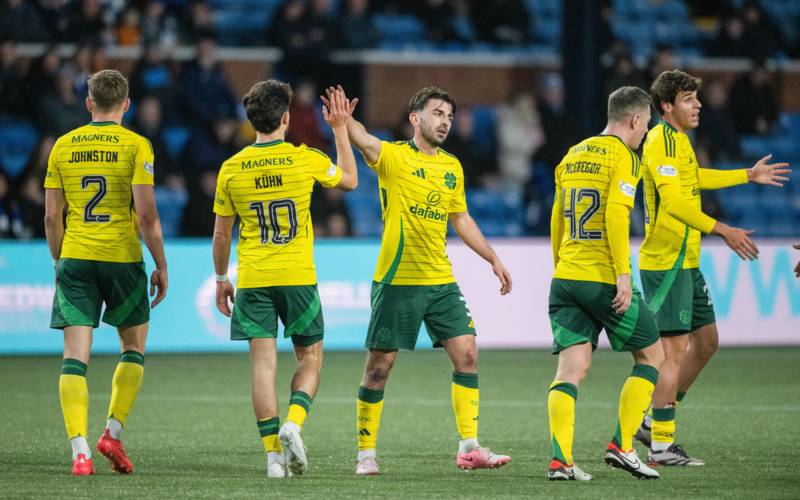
[192, 432]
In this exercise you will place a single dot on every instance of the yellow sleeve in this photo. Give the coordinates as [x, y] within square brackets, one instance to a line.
[384, 165]
[323, 170]
[618, 224]
[667, 179]
[458, 203]
[143, 168]
[711, 178]
[53, 177]
[222, 198]
[557, 219]
[624, 179]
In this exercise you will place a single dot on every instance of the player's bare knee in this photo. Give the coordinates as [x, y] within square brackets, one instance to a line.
[467, 362]
[376, 376]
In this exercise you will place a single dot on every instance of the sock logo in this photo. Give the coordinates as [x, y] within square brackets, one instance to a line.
[364, 432]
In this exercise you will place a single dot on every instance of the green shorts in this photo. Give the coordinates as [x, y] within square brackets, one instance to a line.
[256, 312]
[680, 300]
[580, 309]
[82, 286]
[398, 311]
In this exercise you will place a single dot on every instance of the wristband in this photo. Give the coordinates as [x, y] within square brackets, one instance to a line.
[220, 278]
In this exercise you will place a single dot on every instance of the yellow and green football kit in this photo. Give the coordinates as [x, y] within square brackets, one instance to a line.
[101, 256]
[670, 254]
[269, 185]
[413, 281]
[595, 190]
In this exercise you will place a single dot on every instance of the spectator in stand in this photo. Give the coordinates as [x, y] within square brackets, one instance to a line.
[438, 16]
[41, 79]
[622, 70]
[480, 167]
[99, 58]
[519, 136]
[357, 31]
[206, 92]
[560, 129]
[762, 36]
[86, 23]
[148, 123]
[81, 67]
[329, 213]
[209, 147]
[198, 219]
[54, 17]
[20, 21]
[754, 102]
[11, 81]
[128, 30]
[31, 206]
[11, 225]
[305, 35]
[153, 23]
[62, 111]
[717, 132]
[663, 59]
[151, 76]
[731, 40]
[505, 22]
[306, 127]
[197, 23]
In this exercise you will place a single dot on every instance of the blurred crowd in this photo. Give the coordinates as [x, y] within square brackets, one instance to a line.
[510, 148]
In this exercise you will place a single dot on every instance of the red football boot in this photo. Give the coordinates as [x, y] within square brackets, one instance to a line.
[82, 466]
[112, 449]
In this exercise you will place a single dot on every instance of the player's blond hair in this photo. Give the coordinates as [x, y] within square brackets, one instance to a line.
[108, 89]
[625, 101]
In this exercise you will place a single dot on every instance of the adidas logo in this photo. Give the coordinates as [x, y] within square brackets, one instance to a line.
[420, 173]
[364, 432]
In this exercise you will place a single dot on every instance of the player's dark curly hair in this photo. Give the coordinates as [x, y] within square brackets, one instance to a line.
[265, 103]
[421, 98]
[669, 84]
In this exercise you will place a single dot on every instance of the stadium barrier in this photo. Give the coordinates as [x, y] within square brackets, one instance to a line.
[757, 303]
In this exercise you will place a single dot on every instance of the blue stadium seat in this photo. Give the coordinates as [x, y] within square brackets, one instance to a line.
[485, 122]
[399, 28]
[17, 141]
[175, 139]
[170, 208]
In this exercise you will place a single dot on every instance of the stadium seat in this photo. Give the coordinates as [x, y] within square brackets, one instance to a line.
[485, 126]
[170, 208]
[175, 139]
[17, 141]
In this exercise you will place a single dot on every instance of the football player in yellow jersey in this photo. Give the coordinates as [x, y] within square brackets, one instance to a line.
[673, 285]
[421, 189]
[591, 289]
[103, 174]
[268, 185]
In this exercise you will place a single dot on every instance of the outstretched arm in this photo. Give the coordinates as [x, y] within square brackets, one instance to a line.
[469, 232]
[336, 112]
[150, 226]
[368, 144]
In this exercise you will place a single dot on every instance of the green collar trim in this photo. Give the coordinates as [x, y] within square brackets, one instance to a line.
[413, 145]
[666, 124]
[102, 124]
[266, 144]
[617, 138]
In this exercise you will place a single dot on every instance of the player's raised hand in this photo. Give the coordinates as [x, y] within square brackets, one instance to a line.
[797, 267]
[337, 112]
[326, 99]
[772, 174]
[225, 294]
[739, 241]
[622, 300]
[158, 285]
[504, 276]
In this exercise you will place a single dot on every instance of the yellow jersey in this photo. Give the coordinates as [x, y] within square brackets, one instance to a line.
[598, 171]
[269, 185]
[96, 165]
[417, 194]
